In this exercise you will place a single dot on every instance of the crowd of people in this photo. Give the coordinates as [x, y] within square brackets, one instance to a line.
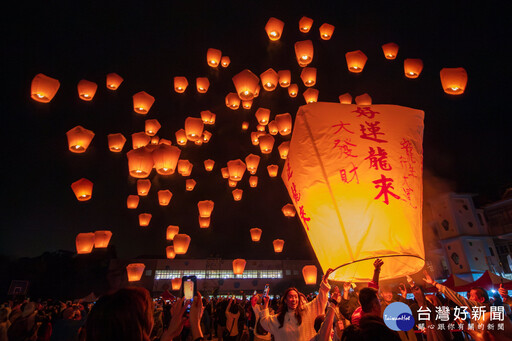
[334, 314]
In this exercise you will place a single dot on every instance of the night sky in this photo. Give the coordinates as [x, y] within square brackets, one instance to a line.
[466, 140]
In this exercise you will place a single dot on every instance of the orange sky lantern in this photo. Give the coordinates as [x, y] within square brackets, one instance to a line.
[278, 245]
[86, 90]
[204, 223]
[213, 57]
[82, 189]
[79, 139]
[165, 159]
[413, 67]
[232, 183]
[289, 210]
[239, 266]
[156, 140]
[205, 208]
[43, 88]
[283, 148]
[255, 135]
[140, 162]
[176, 283]
[190, 184]
[253, 181]
[237, 194]
[206, 136]
[144, 219]
[364, 99]
[252, 162]
[274, 28]
[164, 197]
[255, 234]
[309, 272]
[208, 117]
[247, 104]
[246, 84]
[116, 142]
[245, 125]
[346, 98]
[284, 123]
[272, 128]
[232, 101]
[181, 137]
[181, 243]
[225, 172]
[165, 141]
[209, 164]
[262, 115]
[236, 169]
[152, 127]
[260, 128]
[102, 239]
[269, 80]
[142, 102]
[225, 61]
[132, 201]
[272, 170]
[293, 90]
[135, 271]
[326, 31]
[454, 80]
[304, 52]
[180, 84]
[140, 140]
[308, 76]
[202, 84]
[143, 186]
[185, 167]
[285, 78]
[305, 24]
[114, 81]
[390, 50]
[266, 143]
[169, 252]
[172, 230]
[257, 91]
[355, 61]
[84, 243]
[194, 128]
[310, 95]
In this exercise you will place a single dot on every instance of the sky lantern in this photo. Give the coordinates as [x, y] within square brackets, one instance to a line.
[262, 115]
[194, 128]
[285, 78]
[43, 88]
[269, 80]
[213, 57]
[202, 84]
[355, 61]
[135, 271]
[283, 148]
[164, 197]
[252, 162]
[257, 91]
[255, 234]
[208, 165]
[180, 84]
[245, 125]
[293, 90]
[84, 243]
[132, 201]
[140, 162]
[82, 189]
[309, 272]
[156, 140]
[144, 219]
[272, 170]
[114, 81]
[142, 102]
[181, 137]
[208, 117]
[239, 266]
[289, 210]
[162, 141]
[390, 50]
[311, 95]
[266, 143]
[181, 243]
[346, 98]
[284, 123]
[86, 90]
[165, 159]
[190, 184]
[204, 223]
[225, 61]
[413, 67]
[172, 230]
[260, 128]
[305, 24]
[237, 194]
[185, 167]
[274, 28]
[272, 128]
[236, 169]
[454, 80]
[247, 104]
[140, 140]
[152, 127]
[304, 52]
[143, 186]
[205, 208]
[232, 183]
[79, 139]
[206, 136]
[225, 172]
[278, 245]
[101, 239]
[354, 216]
[116, 142]
[364, 99]
[326, 31]
[232, 101]
[253, 181]
[176, 283]
[169, 252]
[308, 76]
[246, 84]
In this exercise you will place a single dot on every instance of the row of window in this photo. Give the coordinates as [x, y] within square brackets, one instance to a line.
[218, 274]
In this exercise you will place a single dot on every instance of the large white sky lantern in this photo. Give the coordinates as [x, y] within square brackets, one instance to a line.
[354, 174]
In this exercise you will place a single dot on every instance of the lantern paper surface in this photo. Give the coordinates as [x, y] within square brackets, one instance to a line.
[208, 117]
[346, 98]
[132, 201]
[140, 162]
[326, 31]
[285, 78]
[152, 127]
[172, 230]
[116, 142]
[363, 99]
[253, 181]
[454, 80]
[164, 197]
[413, 67]
[101, 239]
[204, 223]
[135, 271]
[86, 90]
[181, 243]
[311, 95]
[169, 252]
[225, 61]
[114, 81]
[246, 84]
[43, 88]
[262, 115]
[309, 272]
[84, 243]
[79, 139]
[354, 175]
[355, 61]
[390, 50]
[274, 28]
[140, 140]
[190, 184]
[176, 283]
[239, 266]
[305, 24]
[165, 159]
[144, 219]
[304, 52]
[308, 76]
[206, 136]
[255, 234]
[269, 80]
[180, 84]
[213, 57]
[143, 186]
[82, 189]
[278, 245]
[247, 104]
[142, 102]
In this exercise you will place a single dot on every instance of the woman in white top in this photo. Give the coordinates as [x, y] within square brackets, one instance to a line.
[296, 317]
[232, 316]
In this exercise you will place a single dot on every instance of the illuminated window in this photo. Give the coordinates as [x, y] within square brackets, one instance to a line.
[218, 274]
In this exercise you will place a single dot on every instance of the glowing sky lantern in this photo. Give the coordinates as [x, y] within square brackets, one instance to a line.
[262, 115]
[225, 173]
[232, 183]
[225, 61]
[169, 252]
[390, 50]
[82, 189]
[310, 95]
[114, 81]
[208, 117]
[135, 271]
[272, 170]
[309, 272]
[144, 219]
[86, 90]
[293, 90]
[190, 184]
[232, 101]
[84, 243]
[274, 28]
[102, 239]
[202, 84]
[165, 159]
[181, 243]
[205, 208]
[289, 210]
[156, 140]
[164, 197]
[253, 181]
[269, 80]
[213, 57]
[152, 127]
[304, 52]
[284, 123]
[181, 137]
[172, 230]
[194, 128]
[364, 202]
[454, 80]
[79, 139]
[246, 84]
[257, 91]
[163, 141]
[308, 76]
[116, 142]
[285, 78]
[208, 165]
[142, 102]
[237, 194]
[185, 167]
[140, 163]
[283, 148]
[355, 61]
[143, 186]
[132, 201]
[266, 143]
[346, 98]
[176, 282]
[247, 104]
[252, 162]
[43, 88]
[255, 234]
[245, 125]
[140, 140]
[239, 266]
[260, 128]
[278, 245]
[305, 24]
[413, 67]
[204, 223]
[180, 84]
[272, 128]
[236, 169]
[326, 31]
[363, 99]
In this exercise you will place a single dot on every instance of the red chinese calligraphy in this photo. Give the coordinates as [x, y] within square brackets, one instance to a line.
[379, 159]
[407, 147]
[365, 111]
[345, 147]
[289, 172]
[408, 192]
[302, 215]
[295, 193]
[385, 185]
[341, 126]
[343, 174]
[371, 131]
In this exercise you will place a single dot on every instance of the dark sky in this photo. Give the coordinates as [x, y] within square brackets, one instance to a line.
[467, 139]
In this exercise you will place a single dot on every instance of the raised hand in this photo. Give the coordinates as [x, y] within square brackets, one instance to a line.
[378, 264]
[427, 278]
[326, 276]
[403, 290]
